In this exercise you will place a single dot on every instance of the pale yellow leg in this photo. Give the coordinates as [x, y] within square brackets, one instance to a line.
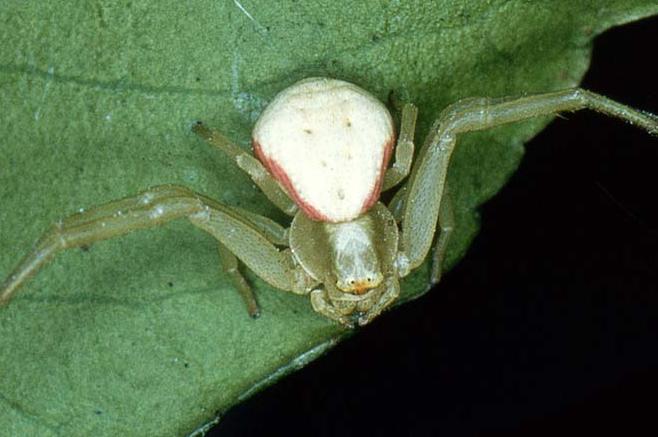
[230, 266]
[247, 236]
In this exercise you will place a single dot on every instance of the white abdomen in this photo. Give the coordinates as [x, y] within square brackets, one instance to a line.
[328, 142]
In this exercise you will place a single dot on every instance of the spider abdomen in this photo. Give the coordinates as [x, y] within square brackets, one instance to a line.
[328, 143]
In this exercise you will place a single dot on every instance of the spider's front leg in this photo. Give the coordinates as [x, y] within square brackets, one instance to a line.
[425, 189]
[250, 237]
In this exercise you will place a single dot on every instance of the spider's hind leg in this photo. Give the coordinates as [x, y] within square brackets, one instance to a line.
[249, 164]
[230, 266]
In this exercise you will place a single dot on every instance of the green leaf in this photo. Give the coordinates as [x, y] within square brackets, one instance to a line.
[143, 335]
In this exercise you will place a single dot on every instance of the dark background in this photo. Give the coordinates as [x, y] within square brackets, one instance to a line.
[548, 324]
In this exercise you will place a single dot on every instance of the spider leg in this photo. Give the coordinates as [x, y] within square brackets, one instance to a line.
[250, 165]
[446, 226]
[249, 237]
[404, 148]
[396, 204]
[426, 185]
[446, 222]
[230, 265]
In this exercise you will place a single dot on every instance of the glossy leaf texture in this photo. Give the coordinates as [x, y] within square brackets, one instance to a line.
[143, 335]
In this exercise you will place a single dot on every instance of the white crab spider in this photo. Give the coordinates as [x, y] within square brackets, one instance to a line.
[324, 147]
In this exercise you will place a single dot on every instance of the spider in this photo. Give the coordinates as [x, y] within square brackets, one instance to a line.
[322, 151]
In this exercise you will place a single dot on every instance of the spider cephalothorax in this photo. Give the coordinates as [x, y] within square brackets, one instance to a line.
[323, 148]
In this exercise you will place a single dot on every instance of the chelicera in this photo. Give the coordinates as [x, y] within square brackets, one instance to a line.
[322, 151]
